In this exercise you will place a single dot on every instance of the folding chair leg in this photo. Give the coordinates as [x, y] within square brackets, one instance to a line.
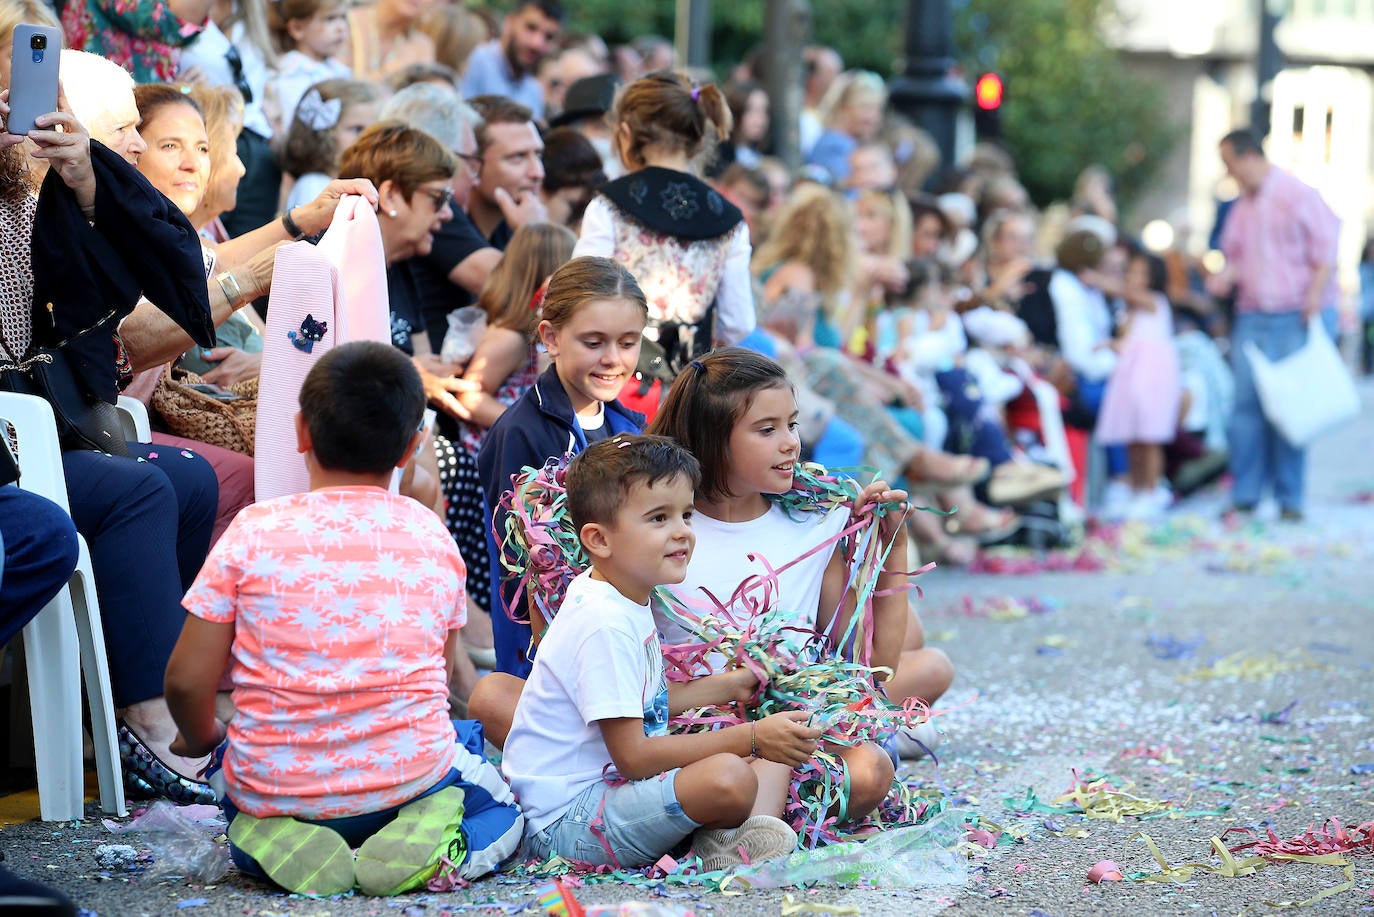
[53, 659]
[96, 669]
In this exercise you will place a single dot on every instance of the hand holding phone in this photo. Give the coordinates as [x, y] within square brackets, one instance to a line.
[36, 52]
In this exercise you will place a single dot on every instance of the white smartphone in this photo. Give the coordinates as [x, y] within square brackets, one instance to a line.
[33, 75]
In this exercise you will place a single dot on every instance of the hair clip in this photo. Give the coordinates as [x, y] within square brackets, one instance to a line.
[696, 93]
[699, 366]
[537, 299]
[318, 114]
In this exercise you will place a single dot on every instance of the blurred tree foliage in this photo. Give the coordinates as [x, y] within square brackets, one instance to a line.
[1068, 103]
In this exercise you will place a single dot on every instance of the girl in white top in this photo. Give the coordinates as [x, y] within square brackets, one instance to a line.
[309, 34]
[734, 409]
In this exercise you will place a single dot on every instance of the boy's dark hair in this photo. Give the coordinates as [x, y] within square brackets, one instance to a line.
[601, 476]
[362, 402]
[707, 399]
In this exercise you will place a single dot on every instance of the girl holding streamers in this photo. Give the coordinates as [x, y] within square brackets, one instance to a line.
[686, 245]
[796, 576]
[593, 321]
[330, 116]
[309, 35]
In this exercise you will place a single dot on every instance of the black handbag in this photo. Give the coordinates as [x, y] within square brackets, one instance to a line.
[83, 422]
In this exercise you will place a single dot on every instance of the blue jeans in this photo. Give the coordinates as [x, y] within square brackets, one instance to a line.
[1260, 456]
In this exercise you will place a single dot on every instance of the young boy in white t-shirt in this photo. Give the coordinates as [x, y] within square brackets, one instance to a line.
[588, 756]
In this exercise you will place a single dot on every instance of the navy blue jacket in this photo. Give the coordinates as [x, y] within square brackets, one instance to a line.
[541, 425]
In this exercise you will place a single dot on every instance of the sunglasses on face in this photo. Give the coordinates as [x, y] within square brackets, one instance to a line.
[441, 198]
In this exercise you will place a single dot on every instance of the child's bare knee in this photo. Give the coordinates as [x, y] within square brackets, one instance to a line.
[493, 703]
[719, 788]
[941, 669]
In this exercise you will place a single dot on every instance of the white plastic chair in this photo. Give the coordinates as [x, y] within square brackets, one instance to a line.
[62, 643]
[133, 417]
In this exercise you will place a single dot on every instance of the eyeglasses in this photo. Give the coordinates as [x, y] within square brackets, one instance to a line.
[236, 70]
[473, 162]
[441, 198]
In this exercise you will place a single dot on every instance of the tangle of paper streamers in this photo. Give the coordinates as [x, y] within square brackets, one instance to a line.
[539, 546]
[797, 668]
[1097, 797]
[1325, 846]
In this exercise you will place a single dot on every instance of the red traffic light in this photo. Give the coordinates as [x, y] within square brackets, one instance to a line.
[988, 91]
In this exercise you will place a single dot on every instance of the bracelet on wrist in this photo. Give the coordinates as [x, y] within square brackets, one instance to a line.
[753, 741]
[292, 230]
[229, 286]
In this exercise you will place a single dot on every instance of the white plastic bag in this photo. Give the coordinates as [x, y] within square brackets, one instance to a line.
[1307, 392]
[465, 328]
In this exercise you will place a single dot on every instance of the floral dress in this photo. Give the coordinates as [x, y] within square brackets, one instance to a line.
[143, 36]
[689, 250]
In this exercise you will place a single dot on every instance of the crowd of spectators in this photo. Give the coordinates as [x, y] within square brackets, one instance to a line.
[937, 327]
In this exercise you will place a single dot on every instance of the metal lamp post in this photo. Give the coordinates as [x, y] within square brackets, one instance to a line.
[927, 91]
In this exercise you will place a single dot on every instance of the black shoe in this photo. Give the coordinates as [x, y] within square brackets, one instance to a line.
[146, 777]
[1242, 510]
[1291, 515]
[20, 896]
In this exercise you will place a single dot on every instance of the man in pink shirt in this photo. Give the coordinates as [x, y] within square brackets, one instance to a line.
[1280, 245]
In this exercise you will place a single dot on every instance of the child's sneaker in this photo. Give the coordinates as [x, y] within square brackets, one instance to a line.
[761, 837]
[302, 858]
[407, 853]
[914, 742]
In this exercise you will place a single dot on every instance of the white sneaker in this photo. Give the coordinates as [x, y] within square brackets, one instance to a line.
[1142, 507]
[1163, 497]
[1116, 499]
[915, 742]
[761, 837]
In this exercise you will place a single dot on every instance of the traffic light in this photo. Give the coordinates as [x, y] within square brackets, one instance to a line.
[987, 114]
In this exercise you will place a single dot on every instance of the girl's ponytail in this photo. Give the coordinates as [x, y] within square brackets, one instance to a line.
[715, 108]
[664, 109]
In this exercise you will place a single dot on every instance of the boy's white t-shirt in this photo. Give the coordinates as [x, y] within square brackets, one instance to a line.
[599, 659]
[722, 561]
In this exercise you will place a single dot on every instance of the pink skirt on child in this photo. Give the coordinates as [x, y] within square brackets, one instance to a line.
[1142, 399]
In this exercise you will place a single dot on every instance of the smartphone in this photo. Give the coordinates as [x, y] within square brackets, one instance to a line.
[33, 75]
[214, 391]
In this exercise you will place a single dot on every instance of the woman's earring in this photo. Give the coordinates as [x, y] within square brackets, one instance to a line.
[391, 213]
